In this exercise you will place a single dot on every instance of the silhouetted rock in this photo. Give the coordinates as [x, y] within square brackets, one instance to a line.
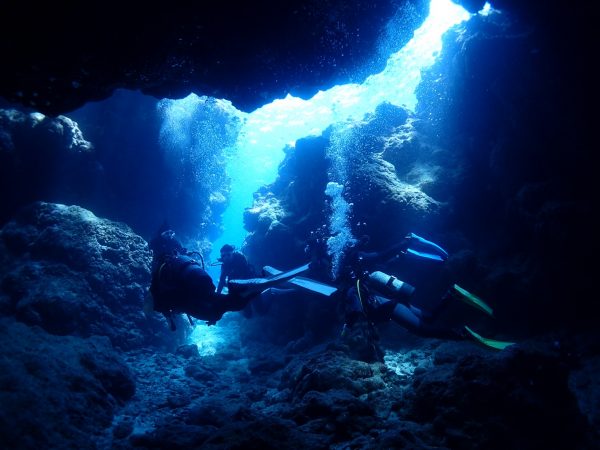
[519, 397]
[73, 273]
[43, 158]
[58, 391]
[247, 53]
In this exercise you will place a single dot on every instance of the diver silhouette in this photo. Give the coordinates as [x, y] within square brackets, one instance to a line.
[180, 284]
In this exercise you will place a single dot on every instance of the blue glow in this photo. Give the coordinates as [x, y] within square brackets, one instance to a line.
[213, 339]
[267, 130]
[254, 158]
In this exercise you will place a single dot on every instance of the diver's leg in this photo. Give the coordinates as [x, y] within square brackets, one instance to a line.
[404, 316]
[418, 312]
[262, 303]
[232, 301]
[381, 309]
[433, 314]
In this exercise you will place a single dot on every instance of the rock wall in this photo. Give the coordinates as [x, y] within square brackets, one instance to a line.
[72, 273]
[511, 110]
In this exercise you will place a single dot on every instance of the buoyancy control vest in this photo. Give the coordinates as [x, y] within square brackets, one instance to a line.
[179, 280]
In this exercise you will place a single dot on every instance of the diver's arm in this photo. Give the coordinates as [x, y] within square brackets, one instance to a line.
[368, 259]
[393, 251]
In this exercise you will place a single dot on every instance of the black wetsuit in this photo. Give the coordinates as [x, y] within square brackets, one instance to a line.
[377, 308]
[180, 285]
[237, 268]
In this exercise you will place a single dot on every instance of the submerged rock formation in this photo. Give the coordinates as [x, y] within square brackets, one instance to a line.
[504, 104]
[502, 181]
[43, 158]
[375, 188]
[127, 166]
[82, 368]
[247, 53]
[58, 391]
[72, 273]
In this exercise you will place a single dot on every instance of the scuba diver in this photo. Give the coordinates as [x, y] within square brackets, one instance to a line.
[234, 266]
[316, 251]
[376, 297]
[180, 285]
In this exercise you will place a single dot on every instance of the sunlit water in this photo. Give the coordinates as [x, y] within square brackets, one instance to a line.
[267, 130]
[255, 156]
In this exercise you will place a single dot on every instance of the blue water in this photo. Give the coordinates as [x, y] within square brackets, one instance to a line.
[258, 150]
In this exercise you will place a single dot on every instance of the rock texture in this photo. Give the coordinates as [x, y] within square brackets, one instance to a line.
[517, 123]
[81, 368]
[72, 273]
[493, 165]
[285, 213]
[247, 53]
[58, 391]
[43, 157]
[138, 172]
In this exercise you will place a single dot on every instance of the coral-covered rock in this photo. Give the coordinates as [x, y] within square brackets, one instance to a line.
[522, 189]
[519, 397]
[332, 369]
[57, 389]
[43, 158]
[247, 53]
[71, 272]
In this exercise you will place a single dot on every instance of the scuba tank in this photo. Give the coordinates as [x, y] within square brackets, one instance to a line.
[390, 286]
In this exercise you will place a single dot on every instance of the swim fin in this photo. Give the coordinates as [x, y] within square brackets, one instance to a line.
[424, 255]
[305, 283]
[472, 300]
[430, 246]
[314, 286]
[496, 345]
[257, 285]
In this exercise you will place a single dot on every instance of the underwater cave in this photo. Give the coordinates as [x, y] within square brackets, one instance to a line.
[408, 186]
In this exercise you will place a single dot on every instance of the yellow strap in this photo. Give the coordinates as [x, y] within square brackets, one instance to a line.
[362, 305]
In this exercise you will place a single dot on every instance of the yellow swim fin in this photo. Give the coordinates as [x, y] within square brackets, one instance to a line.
[472, 300]
[496, 345]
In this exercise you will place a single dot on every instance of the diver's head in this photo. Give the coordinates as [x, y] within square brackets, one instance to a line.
[165, 244]
[226, 252]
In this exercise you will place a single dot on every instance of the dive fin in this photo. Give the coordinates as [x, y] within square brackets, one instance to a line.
[286, 276]
[432, 245]
[270, 270]
[424, 255]
[255, 285]
[472, 300]
[496, 345]
[305, 283]
[313, 285]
